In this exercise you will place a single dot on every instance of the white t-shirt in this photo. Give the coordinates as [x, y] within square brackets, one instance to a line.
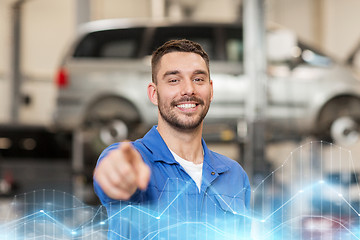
[194, 170]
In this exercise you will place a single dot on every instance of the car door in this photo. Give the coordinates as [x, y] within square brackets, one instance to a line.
[106, 63]
[293, 86]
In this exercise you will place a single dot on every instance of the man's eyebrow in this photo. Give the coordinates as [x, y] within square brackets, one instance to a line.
[201, 72]
[172, 72]
[175, 72]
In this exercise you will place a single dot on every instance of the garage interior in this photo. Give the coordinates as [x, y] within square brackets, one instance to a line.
[312, 179]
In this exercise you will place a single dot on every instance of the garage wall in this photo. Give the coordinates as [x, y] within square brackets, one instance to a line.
[47, 27]
[215, 10]
[101, 9]
[4, 60]
[4, 36]
[328, 24]
[341, 28]
[294, 14]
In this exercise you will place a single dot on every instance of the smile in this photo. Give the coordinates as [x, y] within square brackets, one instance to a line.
[186, 106]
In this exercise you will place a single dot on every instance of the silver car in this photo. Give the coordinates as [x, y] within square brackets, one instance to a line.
[103, 77]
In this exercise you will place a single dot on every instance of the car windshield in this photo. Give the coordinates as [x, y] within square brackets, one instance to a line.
[313, 57]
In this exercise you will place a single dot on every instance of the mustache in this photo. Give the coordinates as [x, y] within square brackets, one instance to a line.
[188, 99]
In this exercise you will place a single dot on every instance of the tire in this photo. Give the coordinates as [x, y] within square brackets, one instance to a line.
[109, 121]
[339, 121]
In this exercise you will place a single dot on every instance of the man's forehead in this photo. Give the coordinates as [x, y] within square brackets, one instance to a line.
[176, 58]
[181, 53]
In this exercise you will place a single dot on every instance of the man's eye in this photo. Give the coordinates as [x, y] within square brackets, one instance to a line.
[173, 80]
[198, 79]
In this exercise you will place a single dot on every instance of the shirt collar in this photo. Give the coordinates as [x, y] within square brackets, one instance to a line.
[161, 153]
[157, 146]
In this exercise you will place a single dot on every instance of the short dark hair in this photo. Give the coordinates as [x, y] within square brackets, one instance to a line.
[182, 45]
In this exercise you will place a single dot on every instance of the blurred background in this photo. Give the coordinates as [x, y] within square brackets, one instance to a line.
[297, 60]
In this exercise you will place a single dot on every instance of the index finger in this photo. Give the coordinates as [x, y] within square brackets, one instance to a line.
[142, 170]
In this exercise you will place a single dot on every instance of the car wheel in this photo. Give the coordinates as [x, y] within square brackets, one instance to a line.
[115, 130]
[345, 130]
[110, 121]
[339, 121]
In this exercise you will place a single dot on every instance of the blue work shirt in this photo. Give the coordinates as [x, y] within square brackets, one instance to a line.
[172, 207]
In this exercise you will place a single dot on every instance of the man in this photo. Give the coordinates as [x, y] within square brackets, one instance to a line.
[170, 173]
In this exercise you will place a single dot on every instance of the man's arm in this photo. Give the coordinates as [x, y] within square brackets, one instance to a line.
[121, 172]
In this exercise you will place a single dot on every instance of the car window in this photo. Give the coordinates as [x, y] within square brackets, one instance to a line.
[203, 35]
[118, 43]
[313, 57]
[234, 45]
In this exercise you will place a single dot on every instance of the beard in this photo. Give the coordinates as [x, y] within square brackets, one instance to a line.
[183, 121]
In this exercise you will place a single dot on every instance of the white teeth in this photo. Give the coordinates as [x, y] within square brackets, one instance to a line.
[186, 105]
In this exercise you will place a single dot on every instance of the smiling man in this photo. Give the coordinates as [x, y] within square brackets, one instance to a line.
[170, 170]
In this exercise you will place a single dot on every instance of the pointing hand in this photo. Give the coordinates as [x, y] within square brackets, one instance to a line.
[121, 172]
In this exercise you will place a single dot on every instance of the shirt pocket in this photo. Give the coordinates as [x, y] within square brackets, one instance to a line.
[234, 205]
[173, 193]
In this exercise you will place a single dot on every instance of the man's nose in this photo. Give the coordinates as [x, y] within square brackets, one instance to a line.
[188, 87]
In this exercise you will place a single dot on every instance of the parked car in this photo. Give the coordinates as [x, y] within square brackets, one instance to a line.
[103, 77]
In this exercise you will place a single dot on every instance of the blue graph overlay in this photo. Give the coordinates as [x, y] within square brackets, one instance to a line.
[312, 194]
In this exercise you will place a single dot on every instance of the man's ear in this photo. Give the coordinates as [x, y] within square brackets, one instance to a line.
[152, 93]
[212, 90]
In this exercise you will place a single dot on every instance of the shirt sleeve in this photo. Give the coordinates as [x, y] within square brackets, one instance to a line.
[98, 190]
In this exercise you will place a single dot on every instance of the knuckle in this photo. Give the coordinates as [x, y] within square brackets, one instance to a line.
[115, 180]
[126, 171]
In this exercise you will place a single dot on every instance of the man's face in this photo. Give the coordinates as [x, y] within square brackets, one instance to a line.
[183, 91]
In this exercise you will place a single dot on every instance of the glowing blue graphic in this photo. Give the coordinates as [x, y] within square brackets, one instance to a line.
[313, 194]
[48, 214]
